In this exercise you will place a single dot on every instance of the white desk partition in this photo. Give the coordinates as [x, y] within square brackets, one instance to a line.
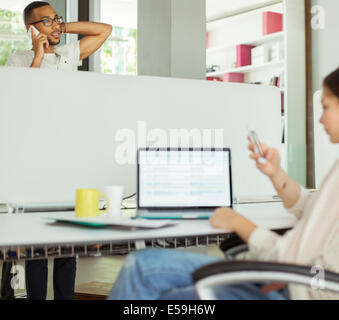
[60, 131]
[325, 152]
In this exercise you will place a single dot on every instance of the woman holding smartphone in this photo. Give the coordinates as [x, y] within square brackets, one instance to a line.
[314, 240]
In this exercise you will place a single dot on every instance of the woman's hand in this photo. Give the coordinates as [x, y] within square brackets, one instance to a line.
[288, 190]
[272, 165]
[224, 218]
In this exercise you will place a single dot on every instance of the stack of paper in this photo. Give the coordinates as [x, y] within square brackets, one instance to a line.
[108, 221]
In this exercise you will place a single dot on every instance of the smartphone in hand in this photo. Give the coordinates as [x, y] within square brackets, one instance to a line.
[35, 30]
[257, 146]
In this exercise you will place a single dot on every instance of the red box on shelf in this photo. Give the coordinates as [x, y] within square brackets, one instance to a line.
[244, 57]
[213, 79]
[234, 77]
[272, 22]
[207, 39]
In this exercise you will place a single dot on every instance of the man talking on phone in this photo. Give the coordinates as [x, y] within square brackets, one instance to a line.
[50, 26]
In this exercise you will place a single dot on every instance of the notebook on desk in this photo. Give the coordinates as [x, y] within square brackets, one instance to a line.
[183, 183]
[106, 221]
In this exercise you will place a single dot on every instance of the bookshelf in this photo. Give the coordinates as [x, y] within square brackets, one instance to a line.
[255, 42]
[244, 26]
[247, 69]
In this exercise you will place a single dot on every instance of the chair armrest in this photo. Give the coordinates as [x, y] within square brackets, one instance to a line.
[230, 243]
[232, 253]
[235, 272]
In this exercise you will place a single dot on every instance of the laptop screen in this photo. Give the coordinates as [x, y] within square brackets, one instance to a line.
[184, 178]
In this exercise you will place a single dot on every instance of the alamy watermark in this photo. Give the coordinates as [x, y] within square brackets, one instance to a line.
[318, 17]
[318, 281]
[18, 279]
[129, 140]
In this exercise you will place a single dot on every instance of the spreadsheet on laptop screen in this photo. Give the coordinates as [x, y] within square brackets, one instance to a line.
[191, 178]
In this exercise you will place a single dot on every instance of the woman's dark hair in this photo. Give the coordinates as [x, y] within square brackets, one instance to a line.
[28, 10]
[331, 82]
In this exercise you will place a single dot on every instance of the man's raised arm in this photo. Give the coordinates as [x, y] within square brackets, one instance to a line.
[95, 35]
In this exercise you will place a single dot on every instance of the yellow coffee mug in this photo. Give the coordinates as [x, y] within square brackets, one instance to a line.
[87, 203]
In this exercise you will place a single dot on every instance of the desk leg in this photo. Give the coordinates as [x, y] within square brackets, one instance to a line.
[140, 244]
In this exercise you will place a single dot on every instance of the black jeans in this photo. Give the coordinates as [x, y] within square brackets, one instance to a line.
[6, 292]
[63, 278]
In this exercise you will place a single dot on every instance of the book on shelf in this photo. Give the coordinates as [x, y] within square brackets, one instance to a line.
[283, 132]
[234, 77]
[272, 22]
[214, 79]
[244, 56]
[274, 81]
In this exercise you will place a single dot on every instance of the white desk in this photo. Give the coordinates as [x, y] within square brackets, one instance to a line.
[30, 231]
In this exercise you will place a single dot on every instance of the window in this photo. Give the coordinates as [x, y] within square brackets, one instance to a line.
[13, 35]
[119, 53]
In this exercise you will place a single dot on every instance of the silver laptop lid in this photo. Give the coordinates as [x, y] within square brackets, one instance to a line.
[184, 178]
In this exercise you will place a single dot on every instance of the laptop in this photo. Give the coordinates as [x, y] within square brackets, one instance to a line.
[183, 183]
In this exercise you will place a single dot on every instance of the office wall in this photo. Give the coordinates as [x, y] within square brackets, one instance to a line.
[325, 48]
[172, 38]
[60, 7]
[188, 54]
[154, 43]
[325, 43]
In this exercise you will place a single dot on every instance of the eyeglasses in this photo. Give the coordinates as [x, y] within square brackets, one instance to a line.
[49, 21]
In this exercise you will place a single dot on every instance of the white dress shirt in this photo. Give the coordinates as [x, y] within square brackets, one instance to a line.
[65, 57]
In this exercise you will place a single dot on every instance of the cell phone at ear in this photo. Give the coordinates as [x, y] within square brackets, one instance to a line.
[257, 146]
[35, 30]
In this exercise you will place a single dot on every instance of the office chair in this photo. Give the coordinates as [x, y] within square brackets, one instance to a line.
[233, 271]
[236, 272]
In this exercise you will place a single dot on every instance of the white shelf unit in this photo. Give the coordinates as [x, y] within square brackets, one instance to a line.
[231, 8]
[278, 36]
[247, 69]
[244, 26]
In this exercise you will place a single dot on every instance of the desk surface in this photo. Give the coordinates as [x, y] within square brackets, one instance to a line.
[29, 229]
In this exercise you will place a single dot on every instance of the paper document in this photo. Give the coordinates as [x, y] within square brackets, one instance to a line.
[107, 221]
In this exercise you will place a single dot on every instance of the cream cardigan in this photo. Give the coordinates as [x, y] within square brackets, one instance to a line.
[265, 245]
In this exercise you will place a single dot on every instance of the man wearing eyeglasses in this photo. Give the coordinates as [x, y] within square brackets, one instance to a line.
[51, 26]
[67, 57]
